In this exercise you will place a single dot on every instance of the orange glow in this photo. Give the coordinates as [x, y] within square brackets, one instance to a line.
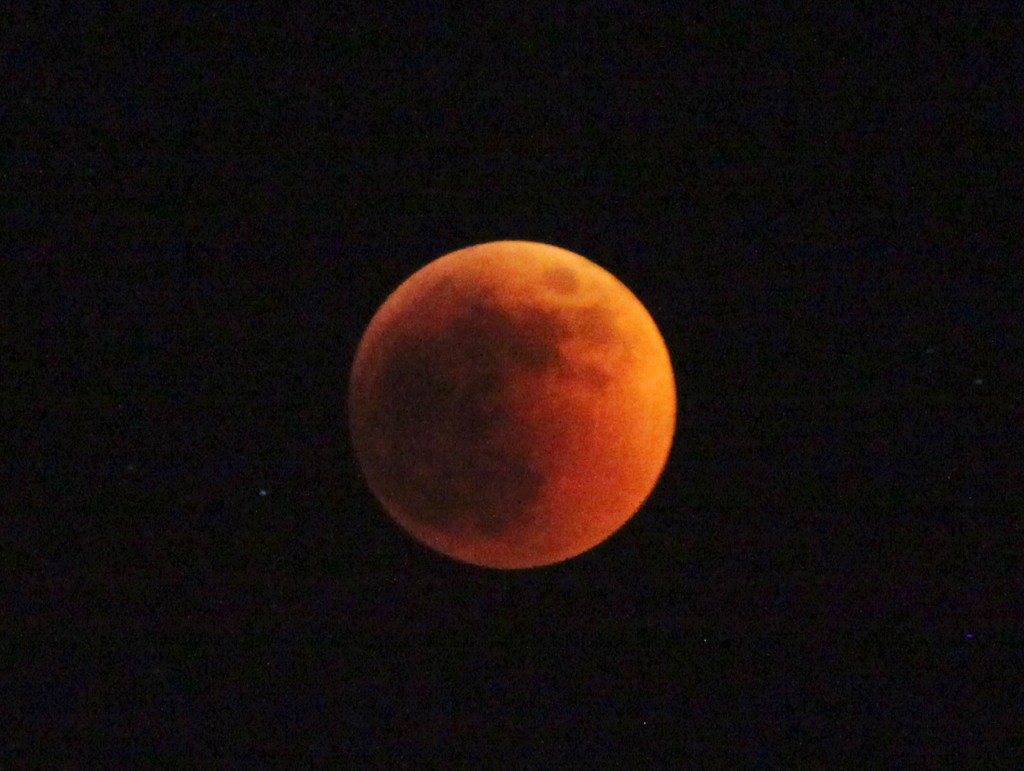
[512, 404]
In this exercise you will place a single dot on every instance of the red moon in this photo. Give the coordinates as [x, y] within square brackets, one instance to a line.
[511, 405]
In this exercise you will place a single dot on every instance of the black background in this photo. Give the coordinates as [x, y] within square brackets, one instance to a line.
[818, 208]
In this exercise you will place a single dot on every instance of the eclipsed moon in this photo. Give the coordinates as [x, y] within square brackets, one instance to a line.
[511, 404]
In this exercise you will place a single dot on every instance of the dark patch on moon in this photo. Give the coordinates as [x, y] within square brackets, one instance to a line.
[437, 430]
[594, 323]
[562, 279]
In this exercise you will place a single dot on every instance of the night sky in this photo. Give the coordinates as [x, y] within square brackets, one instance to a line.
[819, 209]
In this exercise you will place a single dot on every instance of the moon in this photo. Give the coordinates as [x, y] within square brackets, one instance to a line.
[511, 405]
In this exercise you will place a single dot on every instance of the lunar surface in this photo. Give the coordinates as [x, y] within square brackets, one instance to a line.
[511, 404]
